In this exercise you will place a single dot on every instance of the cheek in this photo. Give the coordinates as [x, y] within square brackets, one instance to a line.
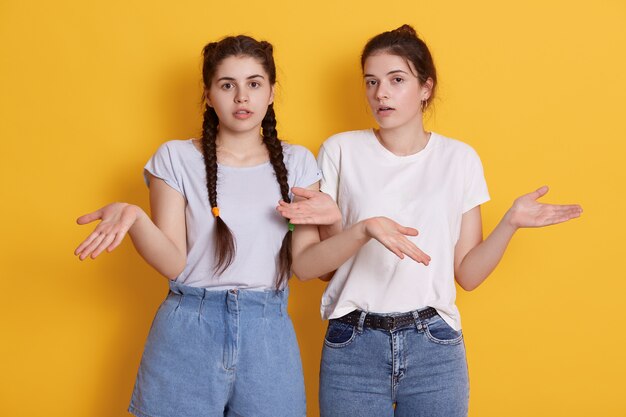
[409, 99]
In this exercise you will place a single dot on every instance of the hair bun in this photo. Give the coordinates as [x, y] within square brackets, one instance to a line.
[267, 47]
[406, 30]
[209, 49]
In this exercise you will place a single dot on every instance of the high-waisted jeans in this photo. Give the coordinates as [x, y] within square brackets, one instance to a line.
[220, 353]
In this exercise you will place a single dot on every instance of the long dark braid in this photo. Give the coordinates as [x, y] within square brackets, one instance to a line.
[275, 150]
[224, 239]
[213, 54]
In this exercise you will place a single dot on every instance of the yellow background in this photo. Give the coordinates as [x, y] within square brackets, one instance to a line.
[88, 90]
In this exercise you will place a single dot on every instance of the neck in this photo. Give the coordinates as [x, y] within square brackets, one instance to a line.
[241, 148]
[408, 139]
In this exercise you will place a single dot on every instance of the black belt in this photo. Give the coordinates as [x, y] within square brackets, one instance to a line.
[389, 323]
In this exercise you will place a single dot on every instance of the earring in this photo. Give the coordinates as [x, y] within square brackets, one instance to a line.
[424, 105]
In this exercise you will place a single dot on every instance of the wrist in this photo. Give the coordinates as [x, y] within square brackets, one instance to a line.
[362, 229]
[508, 221]
[139, 215]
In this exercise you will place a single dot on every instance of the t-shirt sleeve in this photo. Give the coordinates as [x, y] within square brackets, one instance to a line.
[307, 172]
[476, 192]
[163, 166]
[330, 173]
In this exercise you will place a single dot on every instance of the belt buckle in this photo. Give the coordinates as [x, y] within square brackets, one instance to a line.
[391, 321]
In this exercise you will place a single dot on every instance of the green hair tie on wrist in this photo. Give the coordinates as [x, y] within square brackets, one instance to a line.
[291, 226]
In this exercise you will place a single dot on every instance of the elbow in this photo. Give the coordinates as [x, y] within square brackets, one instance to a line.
[303, 276]
[467, 285]
[301, 273]
[175, 271]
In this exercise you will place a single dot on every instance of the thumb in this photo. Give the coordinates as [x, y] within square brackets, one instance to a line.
[409, 231]
[303, 192]
[540, 192]
[88, 218]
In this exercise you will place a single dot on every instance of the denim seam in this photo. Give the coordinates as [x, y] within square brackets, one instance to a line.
[342, 344]
[454, 341]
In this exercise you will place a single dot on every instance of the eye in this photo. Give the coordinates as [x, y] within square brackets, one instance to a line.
[398, 80]
[370, 83]
[227, 86]
[255, 84]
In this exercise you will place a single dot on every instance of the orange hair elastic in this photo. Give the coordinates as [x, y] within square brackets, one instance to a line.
[215, 211]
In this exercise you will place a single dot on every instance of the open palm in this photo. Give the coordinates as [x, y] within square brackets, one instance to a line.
[528, 212]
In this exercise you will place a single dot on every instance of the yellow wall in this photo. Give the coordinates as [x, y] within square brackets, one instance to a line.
[88, 90]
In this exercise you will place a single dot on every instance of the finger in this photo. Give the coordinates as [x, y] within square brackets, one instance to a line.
[90, 217]
[119, 236]
[103, 245]
[393, 248]
[93, 235]
[416, 253]
[90, 248]
[303, 192]
[564, 215]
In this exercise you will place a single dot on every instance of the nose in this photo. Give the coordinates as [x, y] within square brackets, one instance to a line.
[381, 92]
[241, 97]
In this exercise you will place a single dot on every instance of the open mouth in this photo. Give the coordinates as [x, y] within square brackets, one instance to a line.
[384, 109]
[242, 114]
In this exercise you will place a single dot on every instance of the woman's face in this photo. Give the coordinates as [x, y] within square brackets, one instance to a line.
[393, 90]
[240, 93]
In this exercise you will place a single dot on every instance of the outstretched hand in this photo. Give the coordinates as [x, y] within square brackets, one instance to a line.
[312, 207]
[394, 237]
[116, 219]
[528, 212]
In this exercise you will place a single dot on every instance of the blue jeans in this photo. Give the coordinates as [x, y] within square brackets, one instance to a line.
[419, 370]
[220, 353]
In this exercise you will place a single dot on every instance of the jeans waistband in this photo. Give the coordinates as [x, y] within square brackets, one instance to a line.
[389, 322]
[245, 302]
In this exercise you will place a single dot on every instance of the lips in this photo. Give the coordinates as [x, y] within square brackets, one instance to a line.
[384, 110]
[242, 114]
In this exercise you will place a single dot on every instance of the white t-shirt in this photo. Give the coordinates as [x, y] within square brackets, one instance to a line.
[429, 190]
[247, 198]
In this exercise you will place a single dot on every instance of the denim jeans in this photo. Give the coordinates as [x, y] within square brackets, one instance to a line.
[220, 353]
[419, 370]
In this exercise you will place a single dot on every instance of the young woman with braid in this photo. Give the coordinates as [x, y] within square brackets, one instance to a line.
[394, 345]
[221, 343]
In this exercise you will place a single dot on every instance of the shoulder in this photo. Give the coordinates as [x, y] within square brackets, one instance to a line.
[177, 146]
[292, 151]
[176, 149]
[346, 140]
[454, 147]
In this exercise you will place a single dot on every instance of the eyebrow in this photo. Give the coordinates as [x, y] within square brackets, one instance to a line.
[247, 78]
[389, 73]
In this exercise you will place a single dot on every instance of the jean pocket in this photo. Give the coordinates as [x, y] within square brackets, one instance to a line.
[438, 331]
[339, 334]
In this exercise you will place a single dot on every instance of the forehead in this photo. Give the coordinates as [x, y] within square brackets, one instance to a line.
[239, 67]
[382, 63]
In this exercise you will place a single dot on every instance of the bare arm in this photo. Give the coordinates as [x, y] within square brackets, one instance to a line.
[475, 259]
[313, 257]
[160, 241]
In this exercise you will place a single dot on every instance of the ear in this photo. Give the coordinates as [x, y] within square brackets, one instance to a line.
[207, 99]
[271, 100]
[427, 89]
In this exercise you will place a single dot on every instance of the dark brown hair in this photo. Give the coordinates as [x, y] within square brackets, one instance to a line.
[213, 54]
[405, 43]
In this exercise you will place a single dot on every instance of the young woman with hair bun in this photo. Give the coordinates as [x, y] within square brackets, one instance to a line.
[394, 345]
[222, 343]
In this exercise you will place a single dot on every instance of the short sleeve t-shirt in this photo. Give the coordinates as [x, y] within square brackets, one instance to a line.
[429, 190]
[247, 198]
